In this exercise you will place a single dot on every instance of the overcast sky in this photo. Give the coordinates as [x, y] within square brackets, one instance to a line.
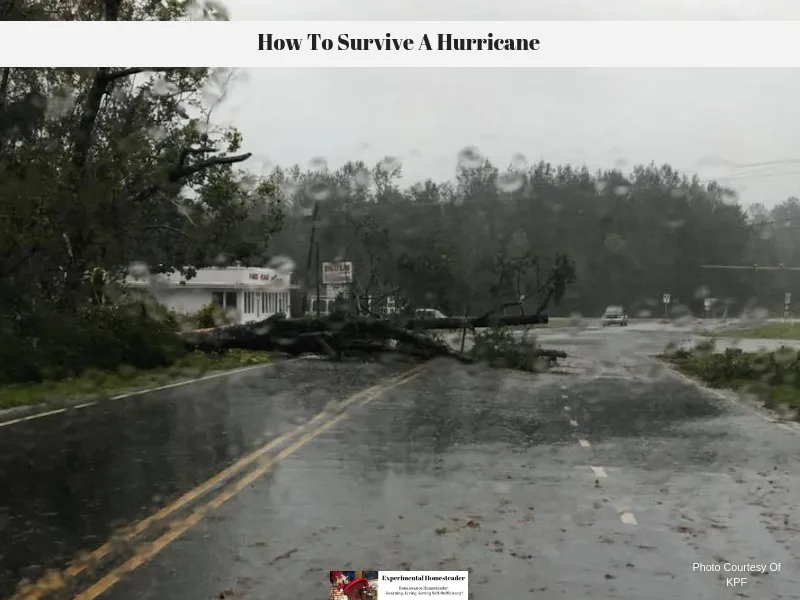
[721, 124]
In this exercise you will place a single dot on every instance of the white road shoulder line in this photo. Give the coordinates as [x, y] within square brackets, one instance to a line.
[573, 422]
[145, 391]
[599, 471]
[584, 443]
[628, 518]
[32, 417]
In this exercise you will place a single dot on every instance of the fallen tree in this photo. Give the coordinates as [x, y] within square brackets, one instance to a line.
[341, 333]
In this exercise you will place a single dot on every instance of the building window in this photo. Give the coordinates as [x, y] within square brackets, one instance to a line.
[230, 299]
[218, 299]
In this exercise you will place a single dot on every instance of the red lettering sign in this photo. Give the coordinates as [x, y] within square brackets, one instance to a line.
[263, 276]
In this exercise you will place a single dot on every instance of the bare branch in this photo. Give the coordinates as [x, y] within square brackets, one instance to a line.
[166, 228]
[182, 173]
[187, 152]
[110, 76]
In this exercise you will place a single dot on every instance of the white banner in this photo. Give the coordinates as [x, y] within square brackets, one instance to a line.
[423, 584]
[400, 43]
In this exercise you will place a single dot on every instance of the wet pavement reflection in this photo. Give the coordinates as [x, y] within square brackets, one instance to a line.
[70, 480]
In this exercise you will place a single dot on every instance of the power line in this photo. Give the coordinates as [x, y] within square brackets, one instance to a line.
[765, 163]
[753, 176]
[754, 267]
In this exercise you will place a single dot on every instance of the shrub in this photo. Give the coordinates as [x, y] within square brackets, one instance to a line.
[51, 346]
[501, 348]
[211, 315]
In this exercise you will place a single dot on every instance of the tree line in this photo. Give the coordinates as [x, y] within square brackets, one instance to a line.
[493, 235]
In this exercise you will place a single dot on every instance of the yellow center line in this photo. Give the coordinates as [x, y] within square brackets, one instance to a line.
[54, 581]
[147, 551]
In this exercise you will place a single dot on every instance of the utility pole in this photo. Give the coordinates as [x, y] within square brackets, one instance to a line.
[319, 277]
[311, 245]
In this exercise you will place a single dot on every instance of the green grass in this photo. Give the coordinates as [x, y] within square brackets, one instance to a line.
[773, 377]
[767, 331]
[555, 323]
[102, 384]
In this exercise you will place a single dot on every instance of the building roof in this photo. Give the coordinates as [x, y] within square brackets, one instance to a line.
[214, 278]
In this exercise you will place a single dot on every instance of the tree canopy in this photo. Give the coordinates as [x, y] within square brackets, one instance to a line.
[493, 235]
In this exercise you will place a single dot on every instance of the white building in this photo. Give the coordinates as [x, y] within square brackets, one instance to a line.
[246, 293]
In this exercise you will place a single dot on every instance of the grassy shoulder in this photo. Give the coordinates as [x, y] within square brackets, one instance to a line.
[94, 383]
[773, 377]
[766, 331]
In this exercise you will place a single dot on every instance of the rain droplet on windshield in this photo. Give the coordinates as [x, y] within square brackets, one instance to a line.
[676, 224]
[621, 190]
[282, 264]
[138, 270]
[469, 158]
[702, 292]
[361, 178]
[519, 162]
[389, 163]
[318, 164]
[61, 102]
[577, 321]
[509, 182]
[318, 190]
[730, 197]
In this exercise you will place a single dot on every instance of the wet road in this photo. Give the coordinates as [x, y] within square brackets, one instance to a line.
[608, 482]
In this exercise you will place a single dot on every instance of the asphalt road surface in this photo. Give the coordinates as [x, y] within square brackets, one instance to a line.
[609, 480]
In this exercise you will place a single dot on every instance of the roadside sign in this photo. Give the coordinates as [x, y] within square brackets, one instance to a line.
[707, 303]
[666, 299]
[337, 273]
[787, 298]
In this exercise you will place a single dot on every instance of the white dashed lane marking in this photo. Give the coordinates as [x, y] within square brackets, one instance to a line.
[625, 515]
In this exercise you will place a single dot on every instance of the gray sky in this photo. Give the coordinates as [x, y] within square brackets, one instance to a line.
[712, 122]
